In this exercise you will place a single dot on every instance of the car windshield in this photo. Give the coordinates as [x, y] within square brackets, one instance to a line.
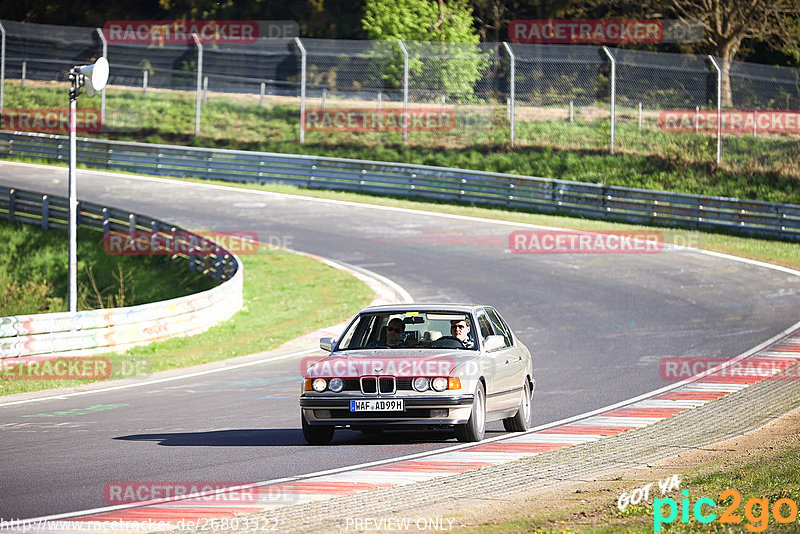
[417, 329]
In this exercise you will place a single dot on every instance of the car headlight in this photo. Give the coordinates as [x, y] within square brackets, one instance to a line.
[319, 385]
[336, 385]
[421, 384]
[439, 383]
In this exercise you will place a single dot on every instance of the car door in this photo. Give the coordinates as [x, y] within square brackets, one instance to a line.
[499, 397]
[512, 370]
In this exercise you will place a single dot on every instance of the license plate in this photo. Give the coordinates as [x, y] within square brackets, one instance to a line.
[377, 405]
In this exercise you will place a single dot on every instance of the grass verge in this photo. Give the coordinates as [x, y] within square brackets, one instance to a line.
[285, 296]
[766, 167]
[34, 279]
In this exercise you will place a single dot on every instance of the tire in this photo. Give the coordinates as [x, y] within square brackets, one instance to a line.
[475, 428]
[316, 435]
[522, 420]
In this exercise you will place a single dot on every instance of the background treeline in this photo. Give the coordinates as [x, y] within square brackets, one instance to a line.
[758, 20]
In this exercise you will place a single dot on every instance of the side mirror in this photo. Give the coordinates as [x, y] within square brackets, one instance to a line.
[493, 343]
[326, 344]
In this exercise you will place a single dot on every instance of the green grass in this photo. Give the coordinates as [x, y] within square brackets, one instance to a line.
[285, 296]
[764, 168]
[33, 273]
[771, 476]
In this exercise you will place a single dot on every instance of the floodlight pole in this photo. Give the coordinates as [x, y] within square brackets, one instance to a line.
[74, 77]
[2, 66]
[103, 93]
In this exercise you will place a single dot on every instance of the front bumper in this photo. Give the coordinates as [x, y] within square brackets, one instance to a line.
[427, 410]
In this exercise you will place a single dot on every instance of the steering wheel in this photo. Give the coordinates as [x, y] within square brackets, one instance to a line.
[447, 342]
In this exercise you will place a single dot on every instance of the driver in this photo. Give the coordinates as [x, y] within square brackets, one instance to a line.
[394, 332]
[460, 330]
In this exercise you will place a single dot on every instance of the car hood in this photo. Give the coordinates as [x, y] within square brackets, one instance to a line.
[390, 362]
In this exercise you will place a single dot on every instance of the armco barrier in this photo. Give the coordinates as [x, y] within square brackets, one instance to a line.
[105, 330]
[749, 217]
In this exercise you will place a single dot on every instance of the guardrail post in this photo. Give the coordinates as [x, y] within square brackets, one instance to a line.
[103, 92]
[2, 66]
[197, 104]
[144, 82]
[405, 90]
[261, 97]
[132, 224]
[45, 212]
[512, 90]
[302, 89]
[719, 106]
[12, 204]
[106, 221]
[24, 69]
[613, 93]
[218, 268]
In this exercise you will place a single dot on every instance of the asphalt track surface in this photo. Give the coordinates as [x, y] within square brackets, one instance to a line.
[597, 325]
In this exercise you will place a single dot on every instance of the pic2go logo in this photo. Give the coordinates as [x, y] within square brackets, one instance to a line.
[756, 523]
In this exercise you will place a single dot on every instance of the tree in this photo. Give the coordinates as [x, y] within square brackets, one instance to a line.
[728, 23]
[453, 65]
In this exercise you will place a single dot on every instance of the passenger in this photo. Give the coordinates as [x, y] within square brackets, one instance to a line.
[461, 331]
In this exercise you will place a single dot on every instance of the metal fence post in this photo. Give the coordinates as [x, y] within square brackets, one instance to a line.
[24, 68]
[719, 106]
[198, 104]
[2, 66]
[640, 115]
[302, 89]
[103, 92]
[144, 82]
[45, 212]
[512, 90]
[613, 93]
[261, 95]
[405, 90]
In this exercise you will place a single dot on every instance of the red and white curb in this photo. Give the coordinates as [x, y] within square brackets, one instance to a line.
[708, 386]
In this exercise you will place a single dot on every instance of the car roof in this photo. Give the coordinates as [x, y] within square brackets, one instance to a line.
[398, 308]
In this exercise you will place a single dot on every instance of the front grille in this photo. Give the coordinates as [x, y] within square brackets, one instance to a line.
[382, 385]
[387, 385]
[354, 384]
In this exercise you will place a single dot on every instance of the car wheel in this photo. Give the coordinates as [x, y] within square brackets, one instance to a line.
[474, 429]
[316, 435]
[522, 420]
